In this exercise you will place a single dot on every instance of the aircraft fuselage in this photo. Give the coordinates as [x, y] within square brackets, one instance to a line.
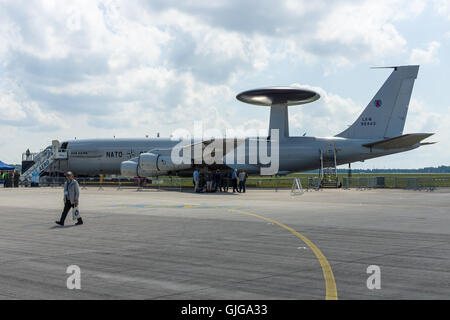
[296, 154]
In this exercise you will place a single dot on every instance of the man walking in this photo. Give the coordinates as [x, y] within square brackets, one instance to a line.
[71, 197]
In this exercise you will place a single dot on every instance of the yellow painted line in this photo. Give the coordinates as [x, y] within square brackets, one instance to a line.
[330, 283]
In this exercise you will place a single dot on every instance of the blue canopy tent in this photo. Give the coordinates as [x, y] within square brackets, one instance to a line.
[5, 167]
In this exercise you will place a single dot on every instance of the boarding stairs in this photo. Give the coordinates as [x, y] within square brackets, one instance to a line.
[328, 167]
[42, 161]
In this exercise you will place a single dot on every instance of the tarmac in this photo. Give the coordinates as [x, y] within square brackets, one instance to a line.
[263, 244]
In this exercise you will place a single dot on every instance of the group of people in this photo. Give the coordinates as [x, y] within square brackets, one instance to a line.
[10, 179]
[220, 181]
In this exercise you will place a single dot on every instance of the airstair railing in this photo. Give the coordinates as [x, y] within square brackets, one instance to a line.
[328, 166]
[42, 161]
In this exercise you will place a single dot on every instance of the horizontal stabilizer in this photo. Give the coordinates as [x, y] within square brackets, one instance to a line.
[404, 141]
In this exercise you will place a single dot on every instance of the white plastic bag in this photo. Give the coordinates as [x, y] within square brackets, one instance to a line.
[75, 213]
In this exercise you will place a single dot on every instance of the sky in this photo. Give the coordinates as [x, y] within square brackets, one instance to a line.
[103, 69]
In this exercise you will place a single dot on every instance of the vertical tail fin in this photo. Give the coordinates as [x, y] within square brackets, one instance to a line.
[385, 115]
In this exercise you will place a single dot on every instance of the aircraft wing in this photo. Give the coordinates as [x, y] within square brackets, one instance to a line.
[403, 141]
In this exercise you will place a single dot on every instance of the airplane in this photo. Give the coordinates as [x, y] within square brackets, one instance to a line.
[377, 132]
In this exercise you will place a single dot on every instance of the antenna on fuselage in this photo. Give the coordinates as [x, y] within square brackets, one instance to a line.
[278, 99]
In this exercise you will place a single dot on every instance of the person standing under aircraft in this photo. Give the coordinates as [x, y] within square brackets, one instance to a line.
[245, 180]
[71, 197]
[234, 177]
[225, 182]
[209, 181]
[218, 181]
[196, 180]
[242, 178]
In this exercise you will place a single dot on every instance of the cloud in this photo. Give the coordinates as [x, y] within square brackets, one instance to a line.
[326, 117]
[442, 7]
[16, 110]
[425, 56]
[421, 118]
[320, 29]
[213, 42]
[375, 36]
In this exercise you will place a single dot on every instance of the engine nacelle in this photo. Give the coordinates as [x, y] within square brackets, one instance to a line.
[129, 169]
[159, 163]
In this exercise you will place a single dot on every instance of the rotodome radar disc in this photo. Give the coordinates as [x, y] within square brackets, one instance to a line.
[278, 95]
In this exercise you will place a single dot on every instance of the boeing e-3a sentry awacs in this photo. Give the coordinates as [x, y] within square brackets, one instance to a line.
[377, 132]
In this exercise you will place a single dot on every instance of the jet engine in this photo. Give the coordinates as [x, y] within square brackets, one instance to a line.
[129, 168]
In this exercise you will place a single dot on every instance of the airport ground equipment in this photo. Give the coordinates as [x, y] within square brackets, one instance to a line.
[314, 183]
[297, 188]
[328, 166]
[41, 161]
